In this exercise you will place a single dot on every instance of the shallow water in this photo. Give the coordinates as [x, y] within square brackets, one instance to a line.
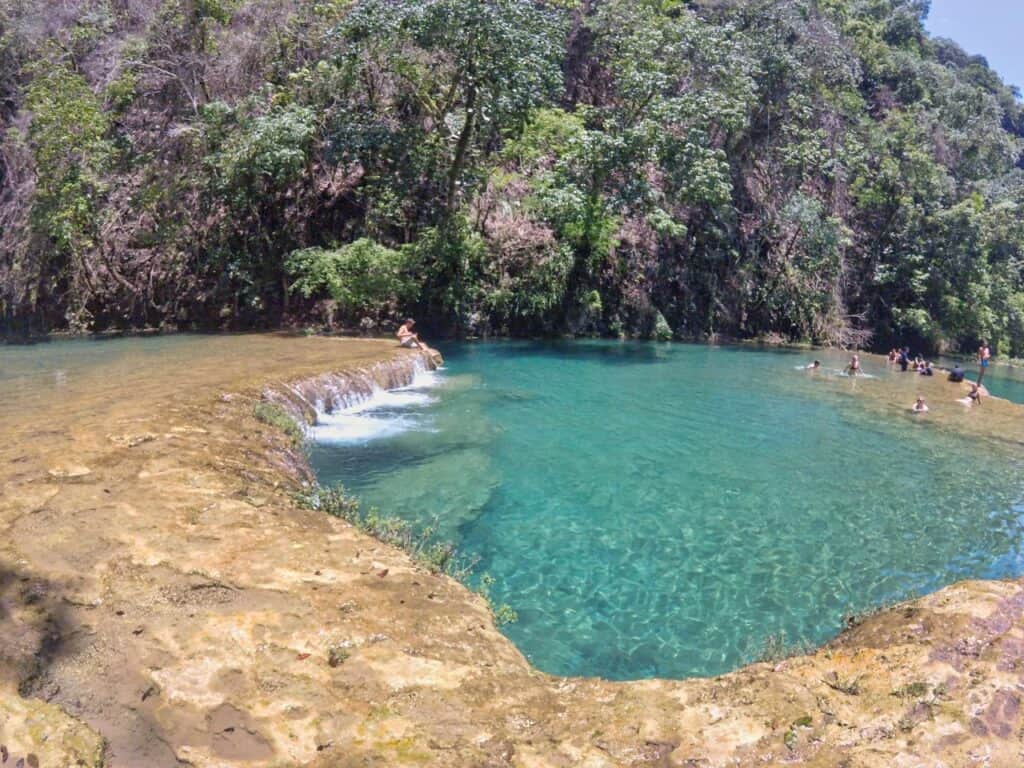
[659, 510]
[1001, 380]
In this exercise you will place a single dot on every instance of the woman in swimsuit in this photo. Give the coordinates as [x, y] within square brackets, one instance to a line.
[973, 397]
[854, 366]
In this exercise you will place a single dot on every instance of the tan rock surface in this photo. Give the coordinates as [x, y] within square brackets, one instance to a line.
[176, 602]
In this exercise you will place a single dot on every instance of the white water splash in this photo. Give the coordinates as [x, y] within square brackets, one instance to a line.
[384, 413]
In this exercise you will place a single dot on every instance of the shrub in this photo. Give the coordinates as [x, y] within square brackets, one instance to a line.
[363, 277]
[275, 416]
[662, 330]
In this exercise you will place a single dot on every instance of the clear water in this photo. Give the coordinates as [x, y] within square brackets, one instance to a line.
[37, 375]
[1001, 380]
[659, 510]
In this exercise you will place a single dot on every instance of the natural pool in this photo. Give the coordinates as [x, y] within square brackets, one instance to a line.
[659, 510]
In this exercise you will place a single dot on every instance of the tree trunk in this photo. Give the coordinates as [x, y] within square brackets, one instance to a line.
[462, 147]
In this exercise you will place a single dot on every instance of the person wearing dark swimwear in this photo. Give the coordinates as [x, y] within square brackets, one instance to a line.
[973, 397]
[904, 359]
[854, 367]
[957, 374]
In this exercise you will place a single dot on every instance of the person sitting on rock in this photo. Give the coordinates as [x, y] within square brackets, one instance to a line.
[973, 397]
[406, 337]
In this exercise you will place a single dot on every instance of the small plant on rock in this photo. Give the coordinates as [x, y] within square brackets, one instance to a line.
[274, 415]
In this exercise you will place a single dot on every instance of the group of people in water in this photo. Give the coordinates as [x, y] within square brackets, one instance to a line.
[407, 337]
[901, 357]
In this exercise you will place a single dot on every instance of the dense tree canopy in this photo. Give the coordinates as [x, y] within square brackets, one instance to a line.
[817, 170]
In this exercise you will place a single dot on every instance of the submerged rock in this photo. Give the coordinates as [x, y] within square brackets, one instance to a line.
[33, 732]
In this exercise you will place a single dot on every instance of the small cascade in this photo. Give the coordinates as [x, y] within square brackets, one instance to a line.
[310, 400]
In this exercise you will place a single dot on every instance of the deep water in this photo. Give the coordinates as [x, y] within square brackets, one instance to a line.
[660, 510]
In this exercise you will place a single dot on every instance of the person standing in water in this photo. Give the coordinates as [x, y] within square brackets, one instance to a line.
[406, 336]
[854, 367]
[984, 355]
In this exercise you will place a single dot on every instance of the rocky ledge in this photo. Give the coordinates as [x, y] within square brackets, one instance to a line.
[164, 602]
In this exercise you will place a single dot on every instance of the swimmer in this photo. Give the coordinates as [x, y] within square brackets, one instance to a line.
[854, 367]
[904, 358]
[973, 397]
[927, 369]
[813, 366]
[893, 355]
[919, 406]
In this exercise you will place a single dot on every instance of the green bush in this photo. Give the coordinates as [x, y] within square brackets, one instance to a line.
[662, 330]
[364, 277]
[275, 416]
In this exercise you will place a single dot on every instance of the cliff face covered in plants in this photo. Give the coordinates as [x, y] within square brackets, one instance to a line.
[812, 169]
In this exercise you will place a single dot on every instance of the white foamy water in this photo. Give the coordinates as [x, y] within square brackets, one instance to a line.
[384, 414]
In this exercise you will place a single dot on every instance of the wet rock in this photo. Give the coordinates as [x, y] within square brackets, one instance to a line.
[130, 441]
[69, 471]
[39, 734]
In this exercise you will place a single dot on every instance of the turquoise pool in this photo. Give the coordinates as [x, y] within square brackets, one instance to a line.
[660, 510]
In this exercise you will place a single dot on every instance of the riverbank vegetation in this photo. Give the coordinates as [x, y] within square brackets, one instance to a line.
[420, 543]
[813, 170]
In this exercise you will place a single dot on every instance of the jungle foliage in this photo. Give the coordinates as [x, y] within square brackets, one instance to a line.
[817, 170]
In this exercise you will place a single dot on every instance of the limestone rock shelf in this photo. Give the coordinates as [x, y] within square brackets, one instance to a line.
[163, 602]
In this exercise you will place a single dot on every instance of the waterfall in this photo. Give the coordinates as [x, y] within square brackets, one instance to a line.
[314, 401]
